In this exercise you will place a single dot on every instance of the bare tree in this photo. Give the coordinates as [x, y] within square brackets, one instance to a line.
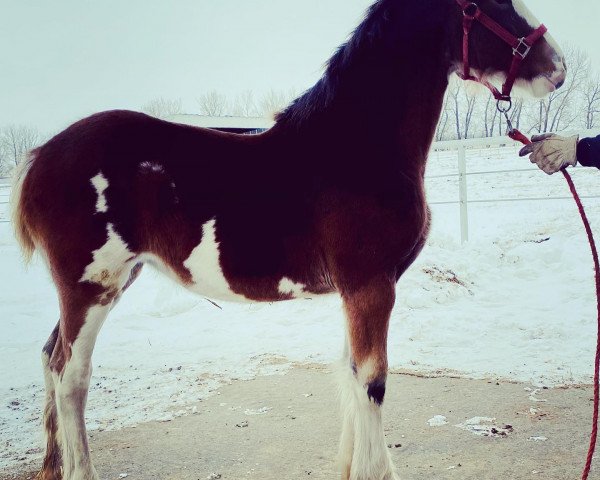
[213, 104]
[516, 113]
[4, 158]
[470, 100]
[455, 104]
[490, 116]
[16, 141]
[244, 105]
[462, 105]
[559, 110]
[442, 127]
[591, 101]
[162, 107]
[276, 100]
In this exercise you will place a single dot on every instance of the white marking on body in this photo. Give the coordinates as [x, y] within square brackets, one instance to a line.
[109, 261]
[154, 167]
[72, 386]
[205, 267]
[100, 183]
[289, 287]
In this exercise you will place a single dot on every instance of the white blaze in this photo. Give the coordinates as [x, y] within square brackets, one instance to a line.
[526, 14]
[533, 22]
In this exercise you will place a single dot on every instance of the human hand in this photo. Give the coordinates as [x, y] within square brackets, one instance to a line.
[551, 152]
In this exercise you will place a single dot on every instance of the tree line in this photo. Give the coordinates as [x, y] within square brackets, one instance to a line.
[17, 140]
[466, 112]
[217, 104]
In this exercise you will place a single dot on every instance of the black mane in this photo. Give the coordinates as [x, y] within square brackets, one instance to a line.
[321, 95]
[375, 58]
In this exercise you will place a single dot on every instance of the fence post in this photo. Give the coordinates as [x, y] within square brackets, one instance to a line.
[462, 188]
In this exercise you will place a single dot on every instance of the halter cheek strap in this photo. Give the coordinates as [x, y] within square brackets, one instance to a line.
[520, 46]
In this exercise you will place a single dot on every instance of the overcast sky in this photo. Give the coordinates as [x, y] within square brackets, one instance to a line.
[61, 60]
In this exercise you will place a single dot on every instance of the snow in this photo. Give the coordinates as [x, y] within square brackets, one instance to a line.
[516, 302]
[485, 427]
[437, 421]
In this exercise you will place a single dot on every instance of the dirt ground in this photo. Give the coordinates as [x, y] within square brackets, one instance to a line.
[287, 427]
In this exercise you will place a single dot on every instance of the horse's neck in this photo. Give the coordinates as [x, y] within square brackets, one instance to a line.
[383, 91]
[396, 90]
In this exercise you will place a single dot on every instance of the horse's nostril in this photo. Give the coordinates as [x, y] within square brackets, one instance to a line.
[560, 84]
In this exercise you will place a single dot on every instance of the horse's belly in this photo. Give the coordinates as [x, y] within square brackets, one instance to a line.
[206, 276]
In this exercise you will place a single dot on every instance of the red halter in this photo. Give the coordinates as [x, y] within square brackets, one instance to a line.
[521, 47]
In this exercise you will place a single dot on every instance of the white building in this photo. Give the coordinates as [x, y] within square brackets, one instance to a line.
[224, 124]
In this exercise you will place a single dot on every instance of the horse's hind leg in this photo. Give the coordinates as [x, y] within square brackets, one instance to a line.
[70, 366]
[51, 468]
[363, 449]
[67, 369]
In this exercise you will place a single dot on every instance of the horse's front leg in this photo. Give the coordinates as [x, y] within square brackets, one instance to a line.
[363, 451]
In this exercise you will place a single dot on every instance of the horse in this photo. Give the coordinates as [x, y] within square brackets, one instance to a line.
[329, 200]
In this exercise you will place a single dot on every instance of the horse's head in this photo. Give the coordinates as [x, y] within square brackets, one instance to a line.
[490, 55]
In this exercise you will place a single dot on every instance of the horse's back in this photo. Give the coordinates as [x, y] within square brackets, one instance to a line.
[118, 138]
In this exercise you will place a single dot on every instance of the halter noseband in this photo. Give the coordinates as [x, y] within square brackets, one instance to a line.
[521, 48]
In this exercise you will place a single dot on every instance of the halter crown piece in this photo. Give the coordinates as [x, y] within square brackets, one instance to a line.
[520, 46]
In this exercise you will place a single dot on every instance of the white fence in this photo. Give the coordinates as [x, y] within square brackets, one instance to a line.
[449, 162]
[480, 149]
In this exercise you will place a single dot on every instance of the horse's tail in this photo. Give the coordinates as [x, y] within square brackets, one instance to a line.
[19, 217]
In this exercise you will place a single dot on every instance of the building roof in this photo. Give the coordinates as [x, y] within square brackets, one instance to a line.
[222, 122]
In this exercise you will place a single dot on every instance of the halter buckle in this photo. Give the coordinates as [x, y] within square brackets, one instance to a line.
[522, 49]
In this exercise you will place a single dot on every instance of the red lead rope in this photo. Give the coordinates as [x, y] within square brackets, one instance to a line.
[518, 136]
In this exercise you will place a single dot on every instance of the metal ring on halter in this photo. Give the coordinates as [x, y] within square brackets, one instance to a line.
[503, 109]
[470, 7]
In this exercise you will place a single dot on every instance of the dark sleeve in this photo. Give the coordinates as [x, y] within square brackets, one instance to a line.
[588, 152]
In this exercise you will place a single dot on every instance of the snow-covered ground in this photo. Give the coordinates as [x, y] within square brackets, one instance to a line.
[515, 302]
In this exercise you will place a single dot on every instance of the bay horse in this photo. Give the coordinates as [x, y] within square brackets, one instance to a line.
[330, 199]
